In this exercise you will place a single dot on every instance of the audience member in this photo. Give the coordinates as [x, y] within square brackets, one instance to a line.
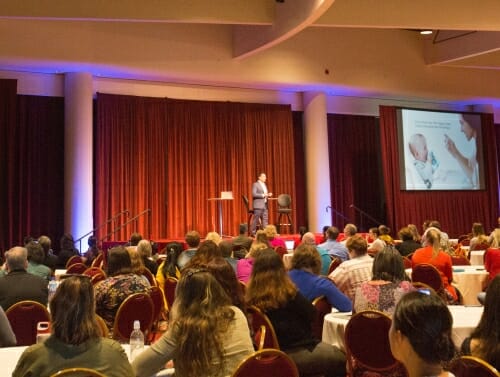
[352, 273]
[310, 239]
[205, 253]
[67, 250]
[333, 247]
[18, 284]
[302, 231]
[433, 254]
[261, 238]
[7, 336]
[436, 225]
[350, 230]
[75, 339]
[479, 240]
[420, 335]
[385, 234]
[226, 249]
[414, 231]
[168, 268]
[225, 275]
[377, 243]
[136, 263]
[50, 259]
[245, 265]
[120, 283]
[389, 283]
[306, 266]
[192, 239]
[291, 315]
[35, 261]
[214, 237]
[92, 252]
[272, 234]
[135, 238]
[242, 239]
[484, 342]
[146, 252]
[206, 335]
[408, 244]
[492, 255]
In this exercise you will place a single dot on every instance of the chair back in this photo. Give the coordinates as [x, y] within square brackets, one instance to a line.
[460, 261]
[281, 250]
[24, 317]
[367, 345]
[97, 278]
[323, 307]
[103, 328]
[92, 271]
[267, 363]
[98, 261]
[470, 366]
[334, 264]
[257, 318]
[169, 290]
[156, 295]
[427, 274]
[76, 268]
[149, 275]
[78, 372]
[137, 306]
[407, 262]
[74, 259]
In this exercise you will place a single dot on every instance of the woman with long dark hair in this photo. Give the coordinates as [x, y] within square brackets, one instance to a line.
[207, 336]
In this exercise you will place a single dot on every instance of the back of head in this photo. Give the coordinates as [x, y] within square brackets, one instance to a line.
[388, 265]
[405, 234]
[214, 237]
[261, 237]
[477, 229]
[135, 238]
[226, 248]
[384, 229]
[309, 238]
[306, 256]
[16, 258]
[136, 262]
[45, 242]
[72, 311]
[270, 231]
[225, 275]
[350, 230]
[172, 252]
[35, 252]
[243, 229]
[433, 238]
[207, 251]
[332, 233]
[434, 224]
[496, 238]
[92, 241]
[67, 242]
[144, 249]
[375, 231]
[118, 261]
[357, 245]
[427, 323]
[192, 239]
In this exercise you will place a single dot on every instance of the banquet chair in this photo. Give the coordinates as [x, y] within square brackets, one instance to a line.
[149, 275]
[78, 372]
[137, 306]
[158, 299]
[76, 268]
[284, 213]
[267, 363]
[98, 261]
[323, 307]
[250, 214]
[103, 328]
[470, 366]
[407, 262]
[460, 261]
[256, 319]
[74, 259]
[334, 264]
[367, 346]
[169, 290]
[24, 317]
[281, 250]
[97, 278]
[428, 274]
[92, 271]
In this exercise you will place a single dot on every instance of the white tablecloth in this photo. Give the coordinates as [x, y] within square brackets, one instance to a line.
[477, 257]
[465, 319]
[469, 280]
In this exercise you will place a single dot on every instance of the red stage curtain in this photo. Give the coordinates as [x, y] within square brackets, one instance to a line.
[353, 141]
[456, 210]
[171, 156]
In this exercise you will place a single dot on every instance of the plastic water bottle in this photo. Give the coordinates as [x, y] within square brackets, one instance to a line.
[53, 284]
[136, 341]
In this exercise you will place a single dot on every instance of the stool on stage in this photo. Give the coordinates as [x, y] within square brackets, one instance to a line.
[284, 213]
[250, 213]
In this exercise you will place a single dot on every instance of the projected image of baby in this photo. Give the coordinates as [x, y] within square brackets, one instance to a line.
[425, 162]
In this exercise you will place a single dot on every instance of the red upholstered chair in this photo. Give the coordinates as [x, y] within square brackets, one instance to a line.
[97, 278]
[323, 307]
[334, 264]
[469, 366]
[76, 268]
[149, 275]
[74, 259]
[169, 291]
[24, 317]
[257, 318]
[138, 306]
[103, 328]
[428, 274]
[78, 372]
[281, 250]
[98, 261]
[367, 346]
[407, 262]
[92, 271]
[267, 363]
[460, 261]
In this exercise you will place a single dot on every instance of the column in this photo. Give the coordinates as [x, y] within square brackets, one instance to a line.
[317, 163]
[78, 160]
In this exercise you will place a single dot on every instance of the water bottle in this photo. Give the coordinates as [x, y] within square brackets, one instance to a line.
[53, 284]
[136, 340]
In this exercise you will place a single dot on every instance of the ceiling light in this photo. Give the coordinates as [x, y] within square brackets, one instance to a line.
[425, 32]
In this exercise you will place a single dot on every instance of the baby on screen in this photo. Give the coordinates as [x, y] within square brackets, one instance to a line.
[425, 162]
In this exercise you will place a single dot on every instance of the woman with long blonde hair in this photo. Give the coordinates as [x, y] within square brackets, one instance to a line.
[291, 315]
[433, 254]
[207, 336]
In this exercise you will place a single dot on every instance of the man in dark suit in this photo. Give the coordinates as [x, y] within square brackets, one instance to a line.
[18, 284]
[260, 194]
